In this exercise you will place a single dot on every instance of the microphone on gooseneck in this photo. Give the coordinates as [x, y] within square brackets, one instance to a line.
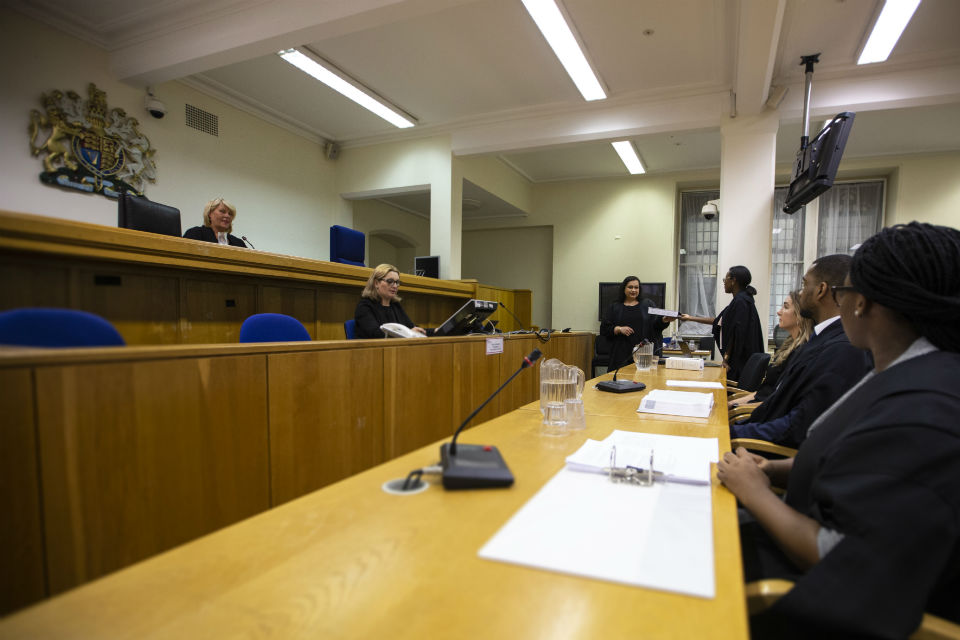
[620, 386]
[523, 328]
[244, 238]
[473, 466]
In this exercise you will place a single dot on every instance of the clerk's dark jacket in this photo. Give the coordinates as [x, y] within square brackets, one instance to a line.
[883, 469]
[643, 324]
[817, 375]
[370, 315]
[209, 235]
[738, 333]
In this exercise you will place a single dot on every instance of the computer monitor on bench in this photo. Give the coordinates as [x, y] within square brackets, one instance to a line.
[468, 318]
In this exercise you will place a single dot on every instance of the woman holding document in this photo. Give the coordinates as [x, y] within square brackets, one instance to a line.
[627, 323]
[870, 527]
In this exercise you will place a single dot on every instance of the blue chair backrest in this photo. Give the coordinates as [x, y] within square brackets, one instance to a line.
[43, 327]
[350, 328]
[346, 245]
[272, 327]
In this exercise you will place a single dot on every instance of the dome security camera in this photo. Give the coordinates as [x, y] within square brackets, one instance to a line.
[154, 107]
[710, 210]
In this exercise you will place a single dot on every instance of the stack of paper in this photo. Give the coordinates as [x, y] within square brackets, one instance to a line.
[677, 403]
[693, 364]
[583, 524]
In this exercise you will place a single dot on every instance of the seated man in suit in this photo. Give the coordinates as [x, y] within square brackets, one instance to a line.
[819, 373]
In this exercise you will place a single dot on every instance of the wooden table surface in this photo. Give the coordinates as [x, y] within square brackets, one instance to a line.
[351, 561]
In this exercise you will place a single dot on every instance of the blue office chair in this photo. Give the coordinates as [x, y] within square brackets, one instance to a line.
[346, 245]
[350, 329]
[273, 327]
[44, 327]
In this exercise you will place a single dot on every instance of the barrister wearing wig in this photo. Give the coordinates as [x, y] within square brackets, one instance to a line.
[870, 527]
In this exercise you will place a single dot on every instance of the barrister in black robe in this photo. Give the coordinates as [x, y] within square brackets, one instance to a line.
[870, 527]
[817, 374]
[737, 329]
[627, 323]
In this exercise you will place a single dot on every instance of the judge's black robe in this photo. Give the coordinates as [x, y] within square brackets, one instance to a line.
[369, 315]
[883, 469]
[817, 375]
[738, 333]
[644, 325]
[209, 235]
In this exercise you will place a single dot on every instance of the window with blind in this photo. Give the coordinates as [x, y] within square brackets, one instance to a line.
[787, 260]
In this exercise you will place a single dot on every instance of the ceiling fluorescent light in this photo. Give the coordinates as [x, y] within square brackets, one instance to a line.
[629, 156]
[555, 29]
[318, 70]
[886, 32]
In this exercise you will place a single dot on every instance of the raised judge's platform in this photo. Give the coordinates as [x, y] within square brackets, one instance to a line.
[162, 290]
[111, 455]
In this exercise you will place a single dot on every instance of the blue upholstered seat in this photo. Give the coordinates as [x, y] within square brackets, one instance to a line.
[273, 327]
[45, 327]
[350, 329]
[346, 245]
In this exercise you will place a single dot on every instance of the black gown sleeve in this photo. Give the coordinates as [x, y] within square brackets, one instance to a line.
[609, 321]
[194, 233]
[368, 323]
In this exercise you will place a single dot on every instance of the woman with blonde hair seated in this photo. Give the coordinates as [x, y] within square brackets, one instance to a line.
[380, 304]
[218, 217]
[869, 529]
[799, 330]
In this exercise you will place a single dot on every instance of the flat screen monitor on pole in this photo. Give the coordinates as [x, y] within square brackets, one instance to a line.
[817, 162]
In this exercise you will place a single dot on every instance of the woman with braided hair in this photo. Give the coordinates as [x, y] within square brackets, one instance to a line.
[870, 526]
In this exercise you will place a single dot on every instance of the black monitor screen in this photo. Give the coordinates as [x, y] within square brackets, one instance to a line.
[468, 318]
[610, 291]
[428, 266]
[817, 163]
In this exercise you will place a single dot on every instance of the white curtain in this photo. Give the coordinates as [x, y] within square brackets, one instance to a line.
[699, 242]
[849, 214]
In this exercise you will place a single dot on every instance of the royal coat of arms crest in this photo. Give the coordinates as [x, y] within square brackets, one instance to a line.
[89, 148]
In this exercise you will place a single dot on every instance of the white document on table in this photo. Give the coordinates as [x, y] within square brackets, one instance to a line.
[677, 403]
[660, 537]
[696, 384]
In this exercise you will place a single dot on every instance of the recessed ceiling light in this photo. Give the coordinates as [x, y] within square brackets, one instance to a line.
[893, 19]
[321, 71]
[629, 156]
[560, 38]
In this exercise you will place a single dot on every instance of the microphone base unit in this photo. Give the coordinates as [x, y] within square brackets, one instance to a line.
[474, 466]
[620, 386]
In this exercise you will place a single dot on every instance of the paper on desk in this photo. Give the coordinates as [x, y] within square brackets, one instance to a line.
[659, 537]
[677, 403]
[700, 384]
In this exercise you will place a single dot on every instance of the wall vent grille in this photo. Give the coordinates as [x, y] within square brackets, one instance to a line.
[203, 121]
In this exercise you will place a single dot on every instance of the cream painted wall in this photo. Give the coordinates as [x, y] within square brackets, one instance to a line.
[929, 190]
[496, 177]
[393, 235]
[281, 184]
[516, 258]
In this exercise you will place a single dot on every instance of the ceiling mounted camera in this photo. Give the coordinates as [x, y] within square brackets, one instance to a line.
[154, 107]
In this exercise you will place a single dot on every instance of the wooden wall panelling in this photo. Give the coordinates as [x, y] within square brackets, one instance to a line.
[299, 302]
[21, 535]
[523, 306]
[138, 457]
[475, 376]
[213, 309]
[430, 311]
[335, 305]
[143, 304]
[28, 282]
[525, 387]
[326, 418]
[418, 396]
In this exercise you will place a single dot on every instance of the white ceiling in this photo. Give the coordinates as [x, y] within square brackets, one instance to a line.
[480, 71]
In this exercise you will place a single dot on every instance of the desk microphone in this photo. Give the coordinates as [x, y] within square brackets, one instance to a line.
[244, 238]
[477, 466]
[620, 386]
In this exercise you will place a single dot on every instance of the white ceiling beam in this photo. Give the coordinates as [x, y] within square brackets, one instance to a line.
[757, 41]
[621, 120]
[875, 92]
[253, 31]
